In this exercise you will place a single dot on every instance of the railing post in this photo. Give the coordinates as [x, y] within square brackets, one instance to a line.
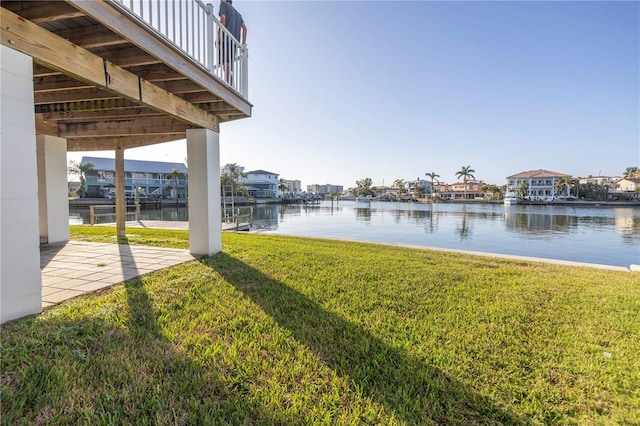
[210, 39]
[244, 71]
[92, 213]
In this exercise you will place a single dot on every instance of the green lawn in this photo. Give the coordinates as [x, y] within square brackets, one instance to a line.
[283, 330]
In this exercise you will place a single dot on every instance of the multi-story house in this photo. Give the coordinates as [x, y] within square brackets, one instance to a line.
[540, 184]
[153, 179]
[412, 188]
[456, 191]
[261, 184]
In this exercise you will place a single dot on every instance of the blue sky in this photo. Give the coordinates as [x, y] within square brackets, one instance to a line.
[344, 90]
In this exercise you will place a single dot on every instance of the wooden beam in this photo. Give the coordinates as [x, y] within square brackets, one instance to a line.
[180, 86]
[130, 30]
[129, 57]
[47, 11]
[44, 46]
[73, 96]
[142, 126]
[91, 36]
[156, 72]
[107, 144]
[70, 116]
[57, 82]
[92, 105]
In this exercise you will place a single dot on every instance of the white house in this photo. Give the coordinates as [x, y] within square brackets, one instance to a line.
[262, 184]
[541, 183]
[412, 186]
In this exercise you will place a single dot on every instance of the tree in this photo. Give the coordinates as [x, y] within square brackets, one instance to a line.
[363, 187]
[465, 173]
[631, 173]
[282, 186]
[523, 189]
[80, 169]
[175, 173]
[565, 183]
[495, 190]
[233, 170]
[433, 177]
[420, 190]
[399, 183]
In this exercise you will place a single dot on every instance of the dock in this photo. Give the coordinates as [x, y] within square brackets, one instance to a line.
[174, 224]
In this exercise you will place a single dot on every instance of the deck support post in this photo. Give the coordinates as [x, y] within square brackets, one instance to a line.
[20, 276]
[121, 202]
[205, 213]
[53, 189]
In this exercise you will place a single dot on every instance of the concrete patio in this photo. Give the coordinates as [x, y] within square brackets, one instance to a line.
[75, 268]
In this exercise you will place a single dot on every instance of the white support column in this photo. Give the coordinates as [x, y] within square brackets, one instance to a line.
[121, 201]
[53, 190]
[20, 276]
[205, 216]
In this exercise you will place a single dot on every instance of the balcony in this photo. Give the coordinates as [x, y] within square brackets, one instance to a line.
[125, 73]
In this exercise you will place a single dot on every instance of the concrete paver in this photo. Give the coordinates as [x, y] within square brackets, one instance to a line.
[74, 268]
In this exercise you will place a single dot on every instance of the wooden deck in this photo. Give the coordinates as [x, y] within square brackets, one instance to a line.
[105, 81]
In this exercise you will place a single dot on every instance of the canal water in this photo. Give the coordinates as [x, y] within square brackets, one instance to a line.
[599, 234]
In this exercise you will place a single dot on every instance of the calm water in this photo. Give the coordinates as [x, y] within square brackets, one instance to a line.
[604, 235]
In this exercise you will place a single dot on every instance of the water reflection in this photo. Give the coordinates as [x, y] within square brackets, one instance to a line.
[539, 225]
[588, 234]
[464, 229]
[363, 214]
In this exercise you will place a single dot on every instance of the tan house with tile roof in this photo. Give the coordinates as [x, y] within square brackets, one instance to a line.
[542, 183]
[626, 185]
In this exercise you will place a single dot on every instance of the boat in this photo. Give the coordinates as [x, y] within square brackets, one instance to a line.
[362, 199]
[510, 199]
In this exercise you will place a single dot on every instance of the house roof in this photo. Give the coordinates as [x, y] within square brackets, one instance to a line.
[261, 172]
[537, 174]
[634, 180]
[136, 166]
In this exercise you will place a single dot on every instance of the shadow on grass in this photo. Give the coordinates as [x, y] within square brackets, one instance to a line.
[413, 391]
[114, 366]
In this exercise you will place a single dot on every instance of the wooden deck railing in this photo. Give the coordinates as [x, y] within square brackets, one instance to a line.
[191, 26]
[93, 215]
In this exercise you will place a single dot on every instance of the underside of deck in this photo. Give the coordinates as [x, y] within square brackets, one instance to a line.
[104, 81]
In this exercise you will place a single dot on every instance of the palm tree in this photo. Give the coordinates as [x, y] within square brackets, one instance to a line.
[465, 173]
[631, 173]
[399, 183]
[282, 186]
[565, 183]
[80, 169]
[235, 173]
[523, 189]
[433, 177]
[175, 173]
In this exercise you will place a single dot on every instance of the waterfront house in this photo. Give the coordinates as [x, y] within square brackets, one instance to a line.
[153, 179]
[540, 184]
[261, 184]
[413, 185]
[626, 185]
[456, 191]
[105, 75]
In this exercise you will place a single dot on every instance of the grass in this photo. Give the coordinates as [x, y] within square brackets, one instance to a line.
[283, 330]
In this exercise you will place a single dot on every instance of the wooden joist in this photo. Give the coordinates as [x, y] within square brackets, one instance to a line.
[60, 54]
